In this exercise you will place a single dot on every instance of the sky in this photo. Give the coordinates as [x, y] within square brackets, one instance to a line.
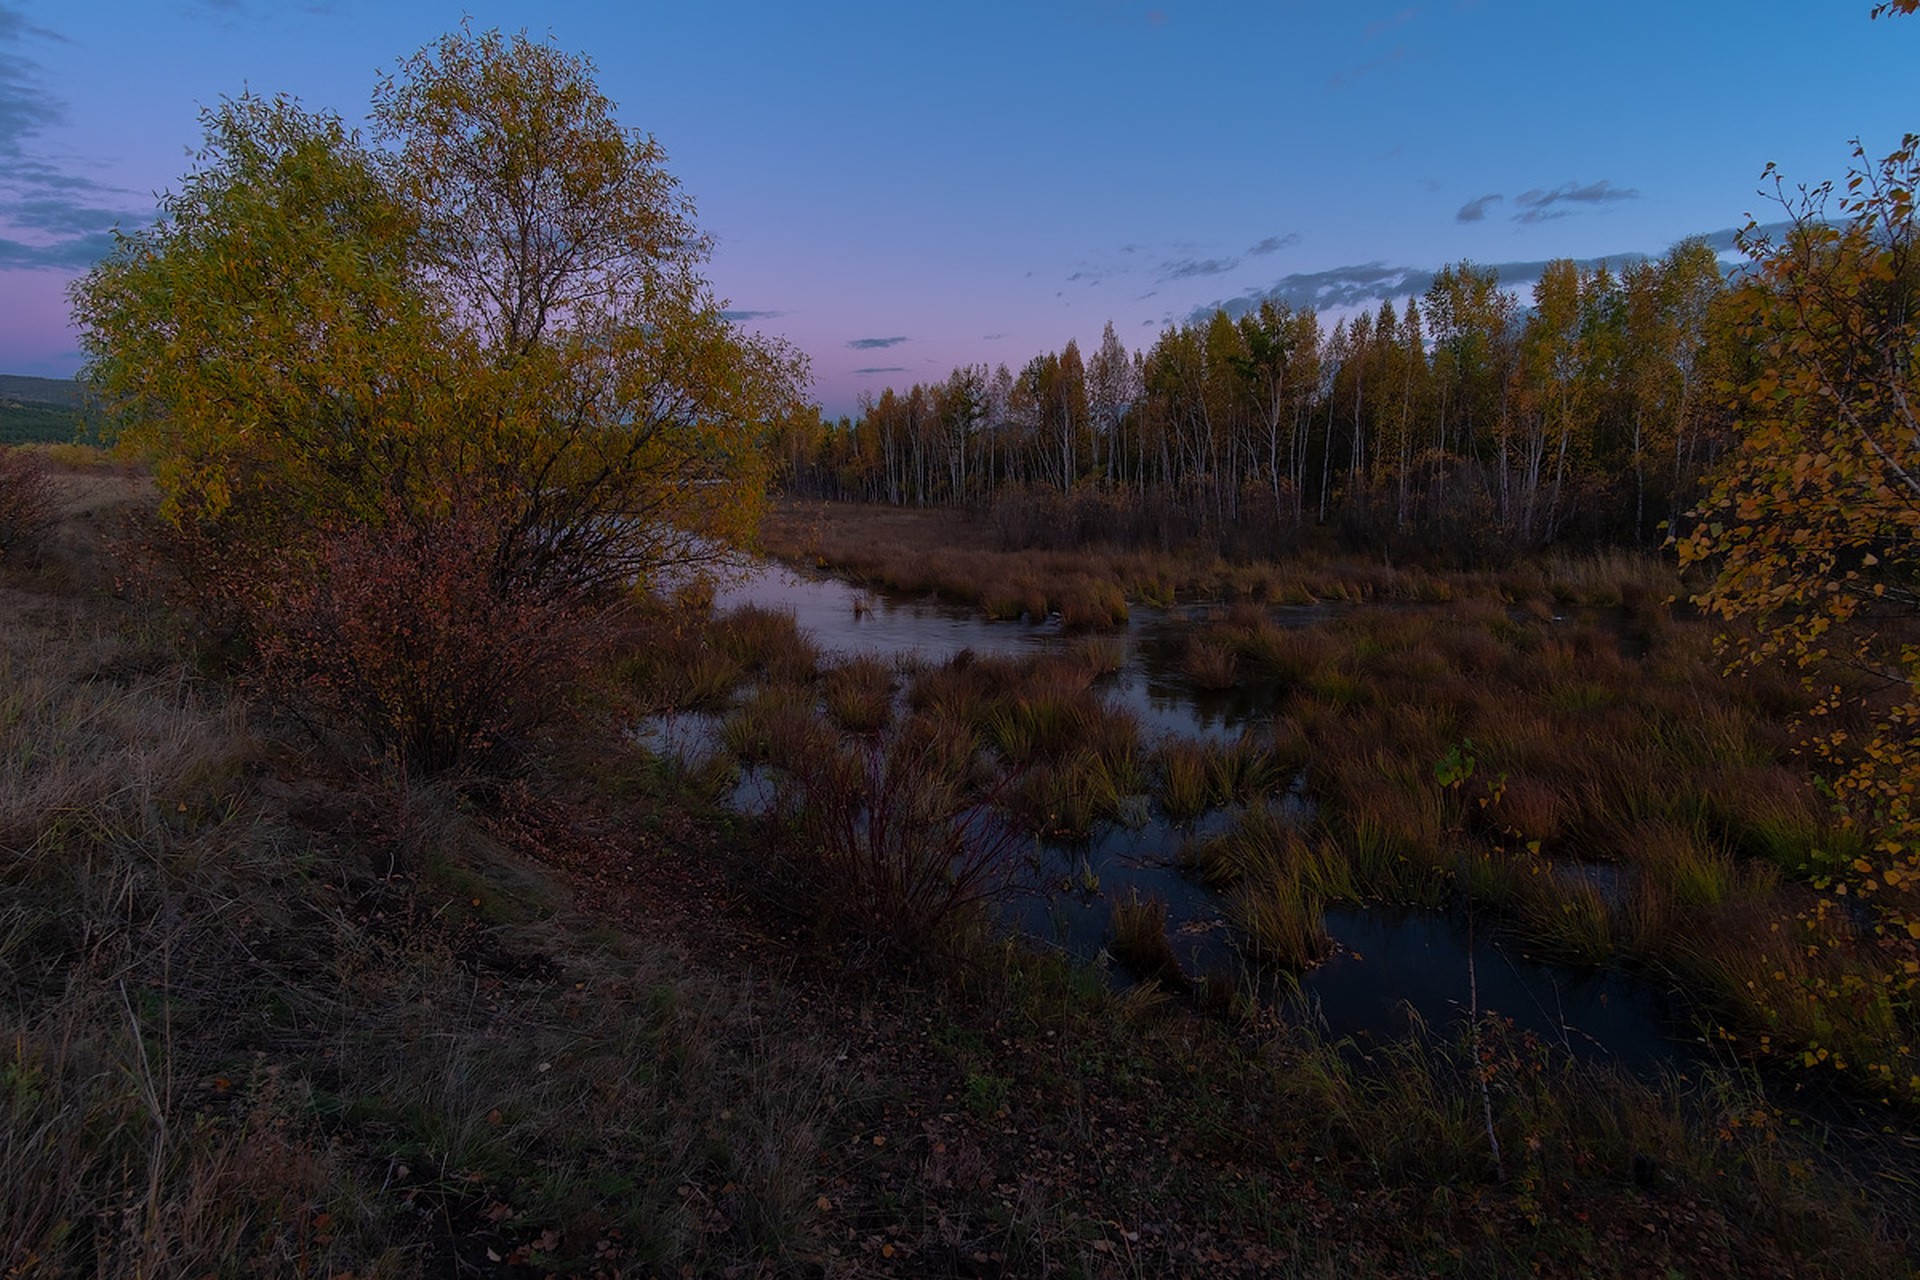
[900, 187]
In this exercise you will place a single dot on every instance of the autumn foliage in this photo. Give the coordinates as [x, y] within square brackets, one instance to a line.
[1813, 532]
[402, 633]
[339, 353]
[26, 504]
[1460, 427]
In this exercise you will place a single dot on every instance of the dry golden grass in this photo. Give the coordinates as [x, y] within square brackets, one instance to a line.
[961, 558]
[239, 1044]
[858, 694]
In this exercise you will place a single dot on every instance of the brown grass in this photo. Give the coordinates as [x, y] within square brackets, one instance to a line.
[964, 559]
[255, 1023]
[858, 694]
[1210, 665]
[1139, 940]
[26, 504]
[766, 642]
[264, 1019]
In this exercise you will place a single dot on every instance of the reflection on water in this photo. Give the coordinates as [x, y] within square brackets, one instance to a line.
[1389, 966]
[693, 737]
[846, 620]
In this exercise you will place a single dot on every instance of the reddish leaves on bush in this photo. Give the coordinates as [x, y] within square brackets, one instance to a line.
[403, 633]
[26, 504]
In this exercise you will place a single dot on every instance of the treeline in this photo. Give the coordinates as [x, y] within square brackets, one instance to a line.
[1460, 423]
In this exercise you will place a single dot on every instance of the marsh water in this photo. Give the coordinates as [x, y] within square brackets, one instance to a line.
[1390, 967]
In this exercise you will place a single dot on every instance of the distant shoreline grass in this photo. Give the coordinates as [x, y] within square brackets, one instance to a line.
[946, 552]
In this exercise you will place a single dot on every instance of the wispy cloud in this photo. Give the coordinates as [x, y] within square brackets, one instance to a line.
[1188, 268]
[25, 109]
[1274, 244]
[1341, 79]
[1322, 290]
[1542, 205]
[1380, 27]
[1538, 205]
[742, 317]
[1727, 240]
[874, 344]
[881, 368]
[1475, 210]
[1371, 282]
[71, 253]
[51, 218]
[14, 24]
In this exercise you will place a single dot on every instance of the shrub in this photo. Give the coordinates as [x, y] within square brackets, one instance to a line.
[404, 635]
[26, 505]
[889, 846]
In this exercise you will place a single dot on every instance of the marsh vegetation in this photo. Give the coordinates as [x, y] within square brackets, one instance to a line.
[274, 1010]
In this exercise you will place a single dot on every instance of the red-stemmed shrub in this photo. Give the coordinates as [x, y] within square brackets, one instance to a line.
[26, 504]
[404, 633]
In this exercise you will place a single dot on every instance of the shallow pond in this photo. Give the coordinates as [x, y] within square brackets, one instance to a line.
[1389, 967]
[845, 620]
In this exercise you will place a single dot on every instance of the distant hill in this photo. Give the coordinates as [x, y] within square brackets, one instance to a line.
[43, 410]
[21, 387]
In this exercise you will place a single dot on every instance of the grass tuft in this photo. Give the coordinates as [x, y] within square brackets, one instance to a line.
[1139, 941]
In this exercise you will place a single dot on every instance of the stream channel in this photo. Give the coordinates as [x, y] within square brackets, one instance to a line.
[1390, 966]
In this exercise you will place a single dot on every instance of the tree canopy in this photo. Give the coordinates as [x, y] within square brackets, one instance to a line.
[1459, 425]
[497, 301]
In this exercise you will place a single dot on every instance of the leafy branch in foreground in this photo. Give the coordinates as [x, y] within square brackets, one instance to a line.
[1813, 531]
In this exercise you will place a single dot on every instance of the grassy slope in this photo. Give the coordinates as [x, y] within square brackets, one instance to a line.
[269, 1012]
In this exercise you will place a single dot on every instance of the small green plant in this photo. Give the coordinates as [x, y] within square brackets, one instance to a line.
[1455, 769]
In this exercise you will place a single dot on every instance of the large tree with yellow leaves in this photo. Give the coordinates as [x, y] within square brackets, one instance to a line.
[499, 302]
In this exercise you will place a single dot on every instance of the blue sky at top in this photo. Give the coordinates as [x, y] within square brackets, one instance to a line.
[898, 188]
